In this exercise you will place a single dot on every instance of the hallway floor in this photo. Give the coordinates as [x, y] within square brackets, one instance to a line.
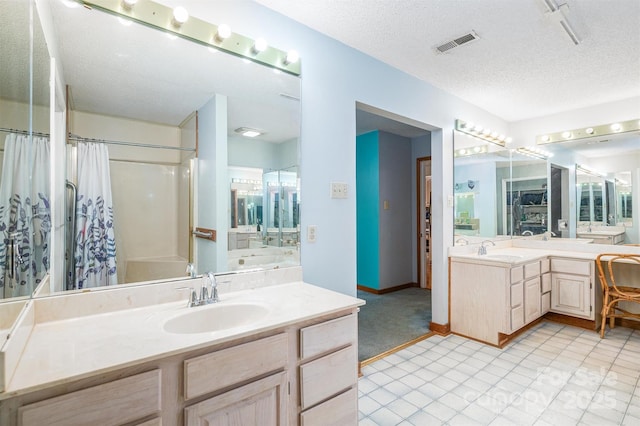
[552, 374]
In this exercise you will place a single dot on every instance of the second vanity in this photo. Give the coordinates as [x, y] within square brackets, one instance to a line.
[495, 295]
[283, 353]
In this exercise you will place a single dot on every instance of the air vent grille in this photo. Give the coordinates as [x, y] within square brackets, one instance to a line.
[458, 41]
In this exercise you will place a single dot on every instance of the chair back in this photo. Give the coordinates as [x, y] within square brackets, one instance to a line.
[605, 264]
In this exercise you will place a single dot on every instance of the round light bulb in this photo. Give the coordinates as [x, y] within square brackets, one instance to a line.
[463, 151]
[616, 127]
[477, 128]
[260, 45]
[71, 4]
[494, 135]
[566, 135]
[129, 3]
[546, 138]
[292, 57]
[508, 140]
[180, 15]
[589, 130]
[224, 31]
[477, 149]
[486, 131]
[501, 138]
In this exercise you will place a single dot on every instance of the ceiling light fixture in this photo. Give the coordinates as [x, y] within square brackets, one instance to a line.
[178, 23]
[560, 14]
[248, 132]
[478, 131]
[588, 132]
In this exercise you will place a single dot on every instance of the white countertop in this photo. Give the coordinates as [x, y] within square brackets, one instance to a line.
[519, 251]
[60, 351]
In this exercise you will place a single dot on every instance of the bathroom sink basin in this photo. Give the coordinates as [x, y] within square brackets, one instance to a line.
[217, 317]
[504, 257]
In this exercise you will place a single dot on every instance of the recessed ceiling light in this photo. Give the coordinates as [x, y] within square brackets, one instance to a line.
[247, 132]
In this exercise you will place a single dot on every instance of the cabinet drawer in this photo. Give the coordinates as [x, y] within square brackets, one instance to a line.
[546, 283]
[517, 317]
[516, 295]
[544, 266]
[571, 266]
[114, 403]
[516, 274]
[531, 270]
[328, 336]
[327, 376]
[226, 367]
[338, 411]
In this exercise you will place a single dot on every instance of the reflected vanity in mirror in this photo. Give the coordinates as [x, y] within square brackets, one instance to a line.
[134, 144]
[576, 188]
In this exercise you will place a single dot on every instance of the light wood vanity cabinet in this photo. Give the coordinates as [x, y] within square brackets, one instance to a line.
[305, 373]
[572, 287]
[491, 301]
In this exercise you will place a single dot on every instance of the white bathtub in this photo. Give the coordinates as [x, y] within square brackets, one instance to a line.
[266, 257]
[156, 268]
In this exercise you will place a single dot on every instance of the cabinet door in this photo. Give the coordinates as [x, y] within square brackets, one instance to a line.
[262, 402]
[571, 295]
[532, 306]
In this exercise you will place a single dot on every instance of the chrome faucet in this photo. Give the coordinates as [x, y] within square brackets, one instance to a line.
[208, 292]
[482, 250]
[547, 235]
[462, 240]
[213, 295]
[191, 270]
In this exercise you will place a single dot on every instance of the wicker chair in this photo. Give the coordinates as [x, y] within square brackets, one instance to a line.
[613, 292]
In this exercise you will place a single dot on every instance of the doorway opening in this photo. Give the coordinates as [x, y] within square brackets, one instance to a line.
[392, 165]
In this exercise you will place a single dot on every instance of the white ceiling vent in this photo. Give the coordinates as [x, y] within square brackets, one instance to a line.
[458, 41]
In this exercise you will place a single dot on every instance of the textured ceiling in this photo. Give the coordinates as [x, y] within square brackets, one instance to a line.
[524, 64]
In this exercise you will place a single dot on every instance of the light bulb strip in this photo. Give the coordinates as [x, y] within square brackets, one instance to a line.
[480, 132]
[589, 132]
[588, 170]
[535, 152]
[160, 17]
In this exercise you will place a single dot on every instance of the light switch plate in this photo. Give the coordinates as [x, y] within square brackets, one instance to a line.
[339, 190]
[311, 233]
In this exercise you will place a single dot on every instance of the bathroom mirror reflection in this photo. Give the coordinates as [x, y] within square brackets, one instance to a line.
[556, 192]
[25, 199]
[142, 128]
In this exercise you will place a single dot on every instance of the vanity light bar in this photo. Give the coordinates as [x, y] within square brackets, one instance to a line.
[535, 152]
[588, 170]
[466, 152]
[589, 132]
[161, 17]
[478, 131]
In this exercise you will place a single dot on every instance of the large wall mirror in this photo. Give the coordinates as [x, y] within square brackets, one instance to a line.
[133, 99]
[578, 189]
[25, 214]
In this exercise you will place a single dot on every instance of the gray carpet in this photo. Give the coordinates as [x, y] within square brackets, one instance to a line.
[389, 320]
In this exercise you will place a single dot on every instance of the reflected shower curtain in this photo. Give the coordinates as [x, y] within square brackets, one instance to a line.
[25, 215]
[95, 244]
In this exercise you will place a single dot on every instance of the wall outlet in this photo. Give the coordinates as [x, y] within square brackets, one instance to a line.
[312, 230]
[339, 190]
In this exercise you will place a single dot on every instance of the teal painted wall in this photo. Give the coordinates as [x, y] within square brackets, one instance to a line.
[367, 209]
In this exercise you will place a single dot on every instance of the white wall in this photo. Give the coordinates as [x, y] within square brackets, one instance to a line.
[334, 78]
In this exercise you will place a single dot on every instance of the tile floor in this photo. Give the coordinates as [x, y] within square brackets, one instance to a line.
[552, 374]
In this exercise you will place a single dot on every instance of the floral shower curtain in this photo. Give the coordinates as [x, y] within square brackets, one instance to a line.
[95, 244]
[25, 215]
